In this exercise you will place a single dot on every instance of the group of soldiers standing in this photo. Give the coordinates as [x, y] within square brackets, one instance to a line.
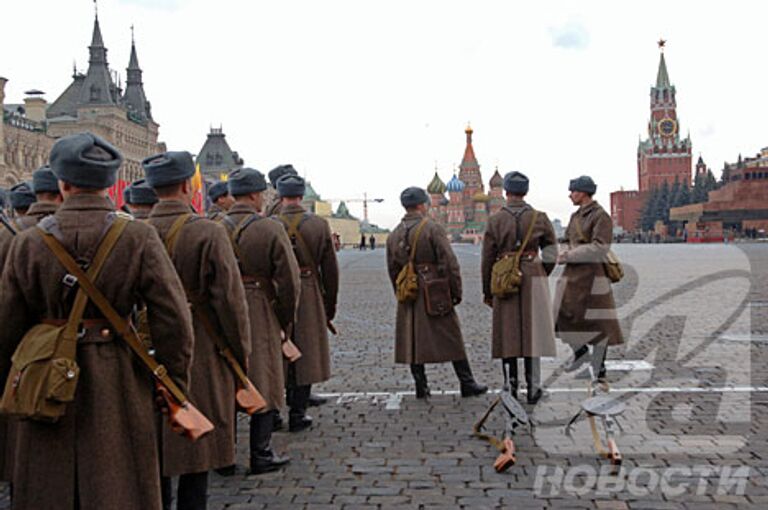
[523, 324]
[248, 294]
[243, 297]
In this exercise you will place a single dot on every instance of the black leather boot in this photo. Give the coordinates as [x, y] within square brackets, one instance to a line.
[580, 357]
[263, 458]
[511, 367]
[469, 387]
[298, 419]
[420, 378]
[533, 379]
[277, 421]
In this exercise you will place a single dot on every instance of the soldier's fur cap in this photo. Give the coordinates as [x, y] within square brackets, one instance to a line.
[142, 193]
[246, 180]
[291, 185]
[85, 160]
[413, 196]
[584, 184]
[168, 168]
[22, 196]
[276, 173]
[44, 180]
[217, 190]
[516, 183]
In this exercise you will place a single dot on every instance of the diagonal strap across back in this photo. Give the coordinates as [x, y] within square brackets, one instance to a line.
[123, 328]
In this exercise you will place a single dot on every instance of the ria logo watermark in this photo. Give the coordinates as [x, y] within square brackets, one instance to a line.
[640, 482]
[677, 307]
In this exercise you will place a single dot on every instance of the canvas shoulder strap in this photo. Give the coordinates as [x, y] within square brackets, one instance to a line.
[81, 298]
[416, 236]
[527, 237]
[123, 328]
[172, 237]
[200, 308]
[292, 224]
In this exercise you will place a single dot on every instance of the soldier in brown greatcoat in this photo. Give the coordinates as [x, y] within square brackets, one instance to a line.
[273, 207]
[420, 337]
[47, 199]
[203, 257]
[522, 322]
[143, 199]
[271, 277]
[221, 201]
[313, 246]
[584, 289]
[21, 198]
[103, 451]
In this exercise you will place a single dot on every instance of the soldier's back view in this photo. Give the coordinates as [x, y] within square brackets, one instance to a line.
[203, 257]
[103, 451]
[313, 247]
[271, 277]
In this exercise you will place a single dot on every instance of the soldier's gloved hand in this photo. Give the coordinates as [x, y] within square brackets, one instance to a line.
[456, 301]
[488, 301]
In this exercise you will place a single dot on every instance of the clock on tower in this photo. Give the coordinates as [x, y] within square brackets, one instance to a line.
[667, 127]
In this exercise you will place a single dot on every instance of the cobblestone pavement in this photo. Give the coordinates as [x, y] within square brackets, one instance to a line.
[695, 430]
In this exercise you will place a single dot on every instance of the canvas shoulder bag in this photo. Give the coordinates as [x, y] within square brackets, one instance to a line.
[611, 265]
[506, 276]
[407, 282]
[44, 370]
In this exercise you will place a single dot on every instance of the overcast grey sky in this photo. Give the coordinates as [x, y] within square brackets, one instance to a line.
[371, 95]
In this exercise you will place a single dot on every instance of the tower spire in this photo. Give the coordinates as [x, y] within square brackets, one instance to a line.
[662, 77]
[135, 98]
[98, 87]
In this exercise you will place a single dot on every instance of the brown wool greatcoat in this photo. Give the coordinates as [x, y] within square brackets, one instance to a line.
[206, 264]
[36, 212]
[140, 214]
[215, 212]
[317, 299]
[420, 338]
[265, 252]
[522, 323]
[584, 305]
[105, 448]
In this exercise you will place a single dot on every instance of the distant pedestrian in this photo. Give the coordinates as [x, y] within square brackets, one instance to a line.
[372, 242]
[362, 242]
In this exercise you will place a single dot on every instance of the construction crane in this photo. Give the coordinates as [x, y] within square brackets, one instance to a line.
[364, 200]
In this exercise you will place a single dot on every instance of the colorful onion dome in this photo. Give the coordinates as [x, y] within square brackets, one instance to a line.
[437, 186]
[455, 185]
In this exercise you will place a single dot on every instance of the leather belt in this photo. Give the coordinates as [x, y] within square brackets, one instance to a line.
[259, 282]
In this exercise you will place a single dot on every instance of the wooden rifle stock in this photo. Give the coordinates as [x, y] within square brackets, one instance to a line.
[184, 418]
[507, 457]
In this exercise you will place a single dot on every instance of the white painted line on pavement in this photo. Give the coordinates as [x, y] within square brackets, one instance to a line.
[392, 400]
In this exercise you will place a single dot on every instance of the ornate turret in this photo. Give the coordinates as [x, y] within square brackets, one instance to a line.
[497, 181]
[134, 98]
[98, 87]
